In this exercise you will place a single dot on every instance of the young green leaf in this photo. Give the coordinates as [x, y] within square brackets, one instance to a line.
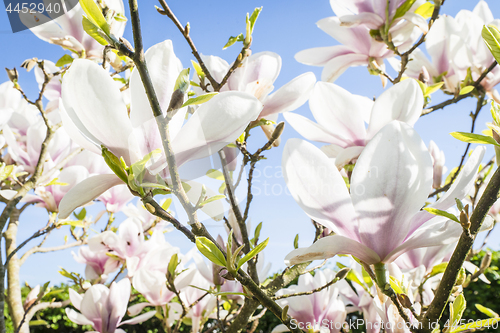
[253, 18]
[439, 268]
[199, 99]
[465, 90]
[457, 309]
[94, 15]
[253, 253]
[440, 212]
[403, 8]
[93, 31]
[211, 251]
[64, 60]
[296, 242]
[233, 40]
[491, 36]
[476, 324]
[182, 82]
[474, 138]
[215, 174]
[425, 10]
[211, 199]
[114, 164]
[487, 311]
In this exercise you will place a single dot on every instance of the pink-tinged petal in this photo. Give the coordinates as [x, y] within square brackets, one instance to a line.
[217, 66]
[318, 188]
[94, 102]
[332, 151]
[139, 319]
[460, 188]
[10, 194]
[92, 306]
[357, 38]
[330, 246]
[280, 328]
[389, 184]
[164, 68]
[329, 104]
[347, 155]
[335, 67]
[75, 298]
[74, 132]
[290, 96]
[135, 309]
[214, 209]
[214, 125]
[119, 294]
[371, 20]
[403, 101]
[77, 317]
[309, 129]
[261, 67]
[320, 56]
[464, 182]
[417, 20]
[437, 231]
[86, 191]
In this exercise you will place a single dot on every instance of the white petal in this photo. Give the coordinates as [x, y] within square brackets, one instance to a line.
[318, 188]
[214, 209]
[403, 101]
[309, 129]
[139, 319]
[330, 246]
[214, 125]
[77, 317]
[389, 184]
[338, 65]
[75, 298]
[86, 191]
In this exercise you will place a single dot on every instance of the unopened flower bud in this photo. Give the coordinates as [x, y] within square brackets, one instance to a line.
[405, 301]
[29, 63]
[485, 263]
[12, 74]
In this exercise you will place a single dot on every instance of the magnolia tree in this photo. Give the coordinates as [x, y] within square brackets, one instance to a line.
[113, 121]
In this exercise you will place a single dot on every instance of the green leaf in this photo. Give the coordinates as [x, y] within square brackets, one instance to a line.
[491, 36]
[198, 69]
[403, 8]
[256, 233]
[253, 18]
[211, 199]
[439, 268]
[233, 40]
[211, 251]
[78, 224]
[182, 82]
[93, 31]
[460, 205]
[55, 182]
[81, 215]
[39, 322]
[465, 90]
[474, 138]
[296, 242]
[222, 188]
[457, 309]
[6, 171]
[477, 324]
[433, 88]
[94, 15]
[253, 253]
[440, 212]
[395, 285]
[114, 164]
[215, 174]
[487, 311]
[425, 10]
[166, 203]
[64, 60]
[199, 99]
[120, 17]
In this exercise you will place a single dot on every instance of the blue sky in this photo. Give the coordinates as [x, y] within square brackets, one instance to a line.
[284, 27]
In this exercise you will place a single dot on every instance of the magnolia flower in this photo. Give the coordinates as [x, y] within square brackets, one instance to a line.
[315, 309]
[380, 219]
[341, 117]
[128, 245]
[25, 149]
[50, 196]
[67, 30]
[104, 308]
[139, 212]
[438, 161]
[455, 45]
[98, 264]
[95, 115]
[358, 48]
[116, 198]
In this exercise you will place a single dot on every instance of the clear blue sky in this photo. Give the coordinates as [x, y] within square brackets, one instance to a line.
[284, 27]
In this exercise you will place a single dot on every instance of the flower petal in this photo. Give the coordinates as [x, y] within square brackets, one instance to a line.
[214, 125]
[389, 184]
[309, 129]
[94, 103]
[290, 96]
[135, 309]
[330, 246]
[403, 101]
[86, 191]
[320, 56]
[318, 188]
[139, 319]
[77, 317]
[335, 67]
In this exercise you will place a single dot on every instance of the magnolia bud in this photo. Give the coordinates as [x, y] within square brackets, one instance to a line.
[12, 74]
[342, 273]
[485, 263]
